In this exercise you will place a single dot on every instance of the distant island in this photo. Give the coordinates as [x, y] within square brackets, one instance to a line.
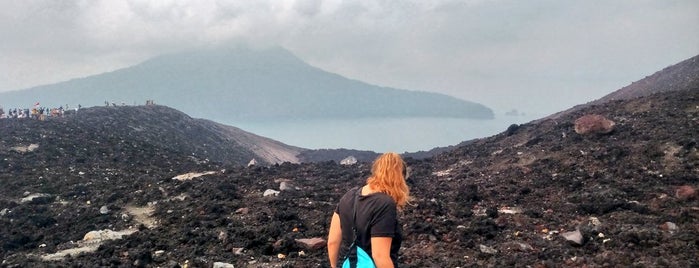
[244, 84]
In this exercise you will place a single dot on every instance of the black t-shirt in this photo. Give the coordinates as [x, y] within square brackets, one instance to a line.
[377, 216]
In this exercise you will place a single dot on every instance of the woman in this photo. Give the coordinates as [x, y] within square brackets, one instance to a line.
[378, 231]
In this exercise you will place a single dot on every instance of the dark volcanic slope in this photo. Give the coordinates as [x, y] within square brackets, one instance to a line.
[120, 130]
[497, 202]
[681, 76]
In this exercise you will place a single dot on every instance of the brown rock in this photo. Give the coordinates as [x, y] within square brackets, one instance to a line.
[685, 192]
[311, 243]
[593, 124]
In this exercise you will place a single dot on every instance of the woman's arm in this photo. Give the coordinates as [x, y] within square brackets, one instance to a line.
[381, 251]
[334, 239]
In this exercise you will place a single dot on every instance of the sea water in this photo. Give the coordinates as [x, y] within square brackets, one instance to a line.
[380, 134]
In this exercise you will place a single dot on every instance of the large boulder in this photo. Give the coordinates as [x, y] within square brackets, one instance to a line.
[593, 124]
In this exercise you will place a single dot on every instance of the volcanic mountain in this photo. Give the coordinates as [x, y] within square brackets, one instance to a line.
[232, 84]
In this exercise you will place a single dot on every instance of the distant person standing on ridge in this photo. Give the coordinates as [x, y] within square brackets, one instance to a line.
[377, 203]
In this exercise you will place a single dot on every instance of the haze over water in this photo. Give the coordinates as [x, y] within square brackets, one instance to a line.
[380, 134]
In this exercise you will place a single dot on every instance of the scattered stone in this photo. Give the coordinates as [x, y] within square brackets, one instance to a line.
[90, 243]
[25, 149]
[669, 227]
[223, 236]
[104, 210]
[106, 234]
[159, 252]
[593, 124]
[281, 256]
[252, 162]
[348, 161]
[3, 212]
[238, 251]
[270, 192]
[574, 237]
[685, 192]
[509, 210]
[34, 198]
[286, 186]
[192, 175]
[311, 243]
[519, 246]
[223, 265]
[242, 211]
[488, 250]
[594, 224]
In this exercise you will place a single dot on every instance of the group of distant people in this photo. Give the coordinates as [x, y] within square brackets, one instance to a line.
[39, 113]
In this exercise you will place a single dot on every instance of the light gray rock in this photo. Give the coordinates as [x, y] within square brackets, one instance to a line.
[350, 160]
[31, 197]
[223, 265]
[252, 162]
[574, 237]
[104, 210]
[488, 250]
[286, 186]
[270, 192]
[3, 212]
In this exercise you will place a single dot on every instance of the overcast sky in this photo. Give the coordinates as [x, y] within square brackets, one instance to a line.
[536, 56]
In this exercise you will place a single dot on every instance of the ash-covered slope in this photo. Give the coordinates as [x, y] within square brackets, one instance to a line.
[503, 201]
[681, 76]
[109, 132]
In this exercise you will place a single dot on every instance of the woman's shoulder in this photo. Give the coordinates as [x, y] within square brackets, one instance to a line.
[381, 198]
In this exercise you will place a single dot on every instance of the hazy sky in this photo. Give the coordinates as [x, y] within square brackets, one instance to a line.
[537, 56]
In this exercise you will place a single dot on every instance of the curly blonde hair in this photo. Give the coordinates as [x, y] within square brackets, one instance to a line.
[388, 176]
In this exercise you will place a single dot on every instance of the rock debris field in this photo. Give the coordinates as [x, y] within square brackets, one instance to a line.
[615, 193]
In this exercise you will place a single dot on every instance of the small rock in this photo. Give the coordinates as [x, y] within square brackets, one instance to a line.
[223, 265]
[242, 211]
[223, 236]
[3, 212]
[270, 192]
[669, 226]
[104, 210]
[685, 192]
[238, 251]
[350, 160]
[159, 252]
[311, 243]
[25, 149]
[575, 237]
[519, 246]
[125, 217]
[35, 197]
[281, 256]
[286, 186]
[252, 162]
[488, 250]
[593, 124]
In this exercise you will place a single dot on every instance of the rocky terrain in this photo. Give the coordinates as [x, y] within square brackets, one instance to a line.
[536, 195]
[602, 185]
